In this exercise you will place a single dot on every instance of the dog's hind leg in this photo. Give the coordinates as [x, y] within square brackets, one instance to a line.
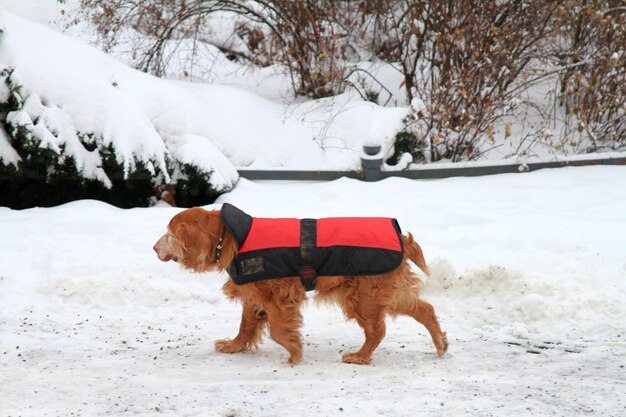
[374, 329]
[369, 313]
[253, 320]
[424, 313]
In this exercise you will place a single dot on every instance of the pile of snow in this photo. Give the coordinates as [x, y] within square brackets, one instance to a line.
[247, 117]
[73, 89]
[528, 281]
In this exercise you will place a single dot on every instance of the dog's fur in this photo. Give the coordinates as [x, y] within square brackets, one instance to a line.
[192, 238]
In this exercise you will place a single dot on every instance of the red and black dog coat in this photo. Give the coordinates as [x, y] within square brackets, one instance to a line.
[337, 246]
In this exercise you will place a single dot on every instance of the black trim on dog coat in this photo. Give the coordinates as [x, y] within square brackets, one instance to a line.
[308, 248]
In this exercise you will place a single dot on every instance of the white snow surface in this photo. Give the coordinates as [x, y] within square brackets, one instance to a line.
[528, 281]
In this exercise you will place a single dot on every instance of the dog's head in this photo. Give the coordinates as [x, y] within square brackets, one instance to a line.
[192, 239]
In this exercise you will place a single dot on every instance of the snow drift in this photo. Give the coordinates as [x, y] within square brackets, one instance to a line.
[72, 91]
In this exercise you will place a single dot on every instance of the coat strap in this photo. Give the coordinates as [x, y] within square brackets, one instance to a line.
[308, 242]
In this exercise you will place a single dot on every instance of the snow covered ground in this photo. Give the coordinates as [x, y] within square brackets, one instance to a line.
[528, 280]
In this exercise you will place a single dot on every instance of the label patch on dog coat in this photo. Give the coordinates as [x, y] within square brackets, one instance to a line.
[285, 247]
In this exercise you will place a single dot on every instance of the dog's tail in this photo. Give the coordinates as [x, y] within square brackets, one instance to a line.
[414, 252]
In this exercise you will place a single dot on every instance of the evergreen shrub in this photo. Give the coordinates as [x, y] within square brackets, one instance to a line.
[46, 175]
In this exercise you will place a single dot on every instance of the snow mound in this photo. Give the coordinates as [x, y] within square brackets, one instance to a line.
[519, 298]
[78, 102]
[77, 95]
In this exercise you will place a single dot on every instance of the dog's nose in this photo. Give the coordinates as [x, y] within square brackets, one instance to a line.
[155, 249]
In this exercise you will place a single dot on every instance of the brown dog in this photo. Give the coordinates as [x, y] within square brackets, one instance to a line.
[198, 240]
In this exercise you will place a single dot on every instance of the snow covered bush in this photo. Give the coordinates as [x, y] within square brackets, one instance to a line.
[45, 160]
[590, 46]
[466, 60]
[479, 65]
[75, 123]
[309, 39]
[411, 144]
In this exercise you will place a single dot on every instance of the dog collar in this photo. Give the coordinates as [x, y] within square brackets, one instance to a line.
[219, 247]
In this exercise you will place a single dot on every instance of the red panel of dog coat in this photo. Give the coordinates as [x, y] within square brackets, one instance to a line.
[363, 232]
[272, 233]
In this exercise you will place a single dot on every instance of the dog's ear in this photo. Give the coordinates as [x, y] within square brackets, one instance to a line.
[213, 224]
[197, 231]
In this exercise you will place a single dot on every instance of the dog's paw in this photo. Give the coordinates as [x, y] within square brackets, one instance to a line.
[294, 359]
[442, 347]
[356, 358]
[229, 346]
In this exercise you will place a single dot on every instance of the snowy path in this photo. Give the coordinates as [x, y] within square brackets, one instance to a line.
[528, 280]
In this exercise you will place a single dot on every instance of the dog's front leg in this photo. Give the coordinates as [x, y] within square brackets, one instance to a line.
[253, 320]
[284, 323]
